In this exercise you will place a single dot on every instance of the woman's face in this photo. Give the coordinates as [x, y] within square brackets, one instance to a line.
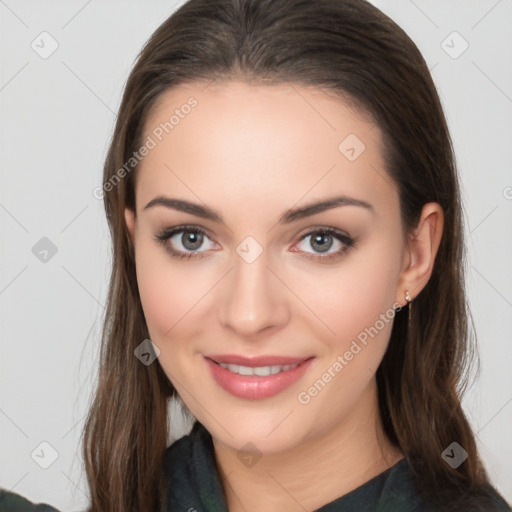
[257, 277]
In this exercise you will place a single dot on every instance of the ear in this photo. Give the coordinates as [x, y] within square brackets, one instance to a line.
[420, 252]
[129, 217]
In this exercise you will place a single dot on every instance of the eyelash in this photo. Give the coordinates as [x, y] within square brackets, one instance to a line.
[166, 234]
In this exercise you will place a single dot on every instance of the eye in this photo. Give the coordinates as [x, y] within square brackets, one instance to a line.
[191, 242]
[185, 241]
[327, 243]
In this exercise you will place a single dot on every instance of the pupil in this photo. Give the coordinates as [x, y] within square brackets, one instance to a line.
[192, 240]
[324, 245]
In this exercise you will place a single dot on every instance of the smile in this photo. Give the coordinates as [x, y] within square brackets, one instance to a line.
[254, 380]
[261, 371]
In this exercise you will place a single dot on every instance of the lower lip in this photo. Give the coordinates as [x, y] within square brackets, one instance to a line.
[253, 387]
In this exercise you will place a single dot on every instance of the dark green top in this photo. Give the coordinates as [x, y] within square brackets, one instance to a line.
[11, 502]
[190, 465]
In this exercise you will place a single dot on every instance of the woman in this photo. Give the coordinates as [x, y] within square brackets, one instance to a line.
[287, 238]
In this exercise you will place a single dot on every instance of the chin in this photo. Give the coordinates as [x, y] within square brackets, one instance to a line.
[269, 433]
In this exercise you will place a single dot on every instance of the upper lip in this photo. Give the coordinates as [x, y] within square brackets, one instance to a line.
[256, 360]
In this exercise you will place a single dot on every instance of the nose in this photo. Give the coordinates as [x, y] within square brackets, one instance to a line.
[254, 299]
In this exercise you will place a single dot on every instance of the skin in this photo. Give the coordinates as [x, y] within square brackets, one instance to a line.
[251, 153]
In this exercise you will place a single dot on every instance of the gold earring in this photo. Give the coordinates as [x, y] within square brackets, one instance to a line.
[408, 300]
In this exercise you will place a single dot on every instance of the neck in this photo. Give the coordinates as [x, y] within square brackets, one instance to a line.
[332, 464]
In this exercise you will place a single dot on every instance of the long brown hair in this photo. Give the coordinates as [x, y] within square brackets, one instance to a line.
[351, 49]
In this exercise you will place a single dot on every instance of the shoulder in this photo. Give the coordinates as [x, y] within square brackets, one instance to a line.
[180, 454]
[191, 473]
[401, 493]
[12, 502]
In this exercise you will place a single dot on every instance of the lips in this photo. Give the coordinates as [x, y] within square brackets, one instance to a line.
[256, 378]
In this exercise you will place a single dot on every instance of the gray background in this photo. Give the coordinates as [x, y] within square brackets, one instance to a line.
[57, 115]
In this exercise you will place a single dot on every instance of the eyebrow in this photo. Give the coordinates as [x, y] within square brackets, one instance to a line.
[288, 217]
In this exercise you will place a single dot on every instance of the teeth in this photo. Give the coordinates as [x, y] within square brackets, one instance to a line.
[261, 371]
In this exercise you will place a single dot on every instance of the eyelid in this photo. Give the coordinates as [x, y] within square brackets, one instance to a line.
[169, 232]
[323, 229]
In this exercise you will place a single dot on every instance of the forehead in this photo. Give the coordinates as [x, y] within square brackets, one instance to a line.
[233, 138]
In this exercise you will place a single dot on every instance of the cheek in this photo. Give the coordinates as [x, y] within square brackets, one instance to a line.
[172, 297]
[167, 290]
[352, 297]
[357, 304]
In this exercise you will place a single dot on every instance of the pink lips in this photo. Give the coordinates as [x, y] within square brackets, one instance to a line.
[254, 387]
